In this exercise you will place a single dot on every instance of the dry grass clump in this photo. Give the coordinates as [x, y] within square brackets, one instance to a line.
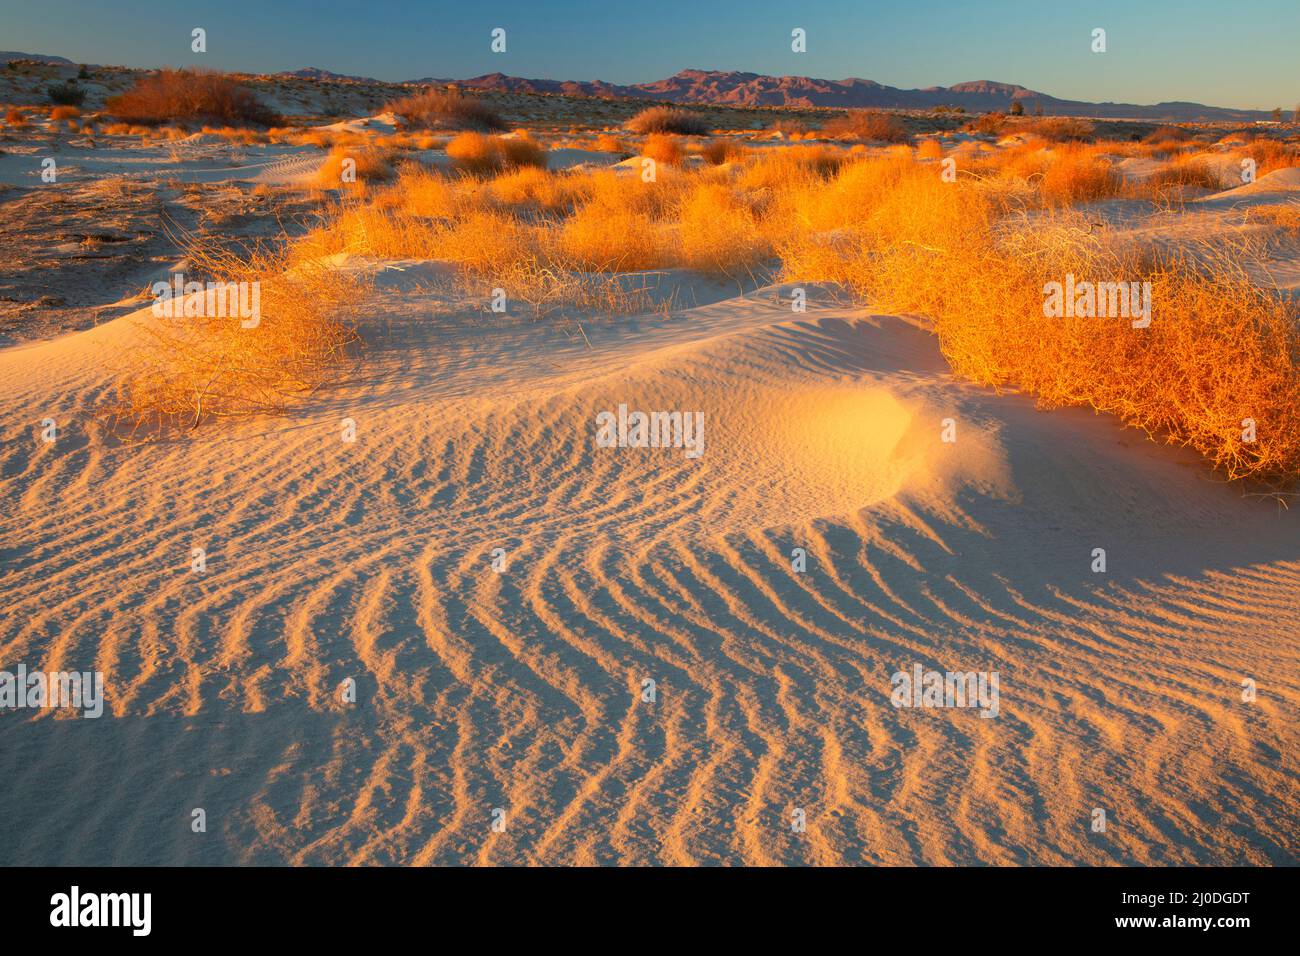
[718, 231]
[723, 150]
[929, 149]
[58, 113]
[15, 117]
[482, 155]
[1271, 154]
[609, 143]
[663, 149]
[437, 109]
[531, 188]
[194, 368]
[1285, 216]
[1218, 350]
[1077, 174]
[345, 166]
[868, 125]
[666, 119]
[190, 97]
[1181, 174]
[1059, 129]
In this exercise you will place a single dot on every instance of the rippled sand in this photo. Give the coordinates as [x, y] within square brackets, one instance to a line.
[522, 690]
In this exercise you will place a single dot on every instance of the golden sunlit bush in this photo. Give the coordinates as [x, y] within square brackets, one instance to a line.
[15, 117]
[1218, 350]
[666, 119]
[1181, 174]
[608, 143]
[194, 368]
[64, 113]
[663, 149]
[540, 190]
[868, 125]
[345, 166]
[1285, 216]
[719, 151]
[1271, 154]
[191, 97]
[1077, 174]
[436, 109]
[718, 232]
[481, 155]
[929, 149]
[1059, 129]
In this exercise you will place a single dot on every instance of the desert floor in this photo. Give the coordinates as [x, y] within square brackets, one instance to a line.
[520, 689]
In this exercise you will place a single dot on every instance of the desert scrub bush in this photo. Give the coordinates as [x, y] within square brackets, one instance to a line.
[1219, 350]
[539, 190]
[666, 119]
[609, 143]
[1059, 129]
[437, 109]
[988, 124]
[722, 150]
[868, 125]
[1270, 154]
[929, 149]
[1077, 174]
[483, 155]
[718, 233]
[15, 117]
[59, 113]
[194, 97]
[66, 94]
[190, 369]
[663, 149]
[345, 166]
[1177, 176]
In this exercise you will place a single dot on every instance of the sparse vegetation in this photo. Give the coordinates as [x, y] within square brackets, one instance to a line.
[667, 119]
[66, 94]
[189, 97]
[869, 126]
[436, 109]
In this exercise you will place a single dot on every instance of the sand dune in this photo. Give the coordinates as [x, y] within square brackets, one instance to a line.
[522, 690]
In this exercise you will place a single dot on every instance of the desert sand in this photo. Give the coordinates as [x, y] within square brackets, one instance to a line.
[521, 690]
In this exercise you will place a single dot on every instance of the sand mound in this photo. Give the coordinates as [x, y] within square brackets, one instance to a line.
[522, 690]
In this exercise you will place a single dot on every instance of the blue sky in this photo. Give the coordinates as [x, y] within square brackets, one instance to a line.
[1240, 54]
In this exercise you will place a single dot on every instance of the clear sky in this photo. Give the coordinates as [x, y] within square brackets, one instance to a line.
[1239, 53]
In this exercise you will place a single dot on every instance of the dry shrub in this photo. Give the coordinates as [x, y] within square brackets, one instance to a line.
[190, 97]
[663, 149]
[64, 113]
[1271, 154]
[191, 369]
[599, 237]
[868, 125]
[988, 124]
[782, 169]
[666, 119]
[608, 143]
[1167, 134]
[719, 151]
[1179, 175]
[540, 190]
[1218, 350]
[243, 137]
[482, 155]
[15, 117]
[1285, 216]
[437, 109]
[1077, 174]
[718, 232]
[1059, 129]
[368, 165]
[929, 149]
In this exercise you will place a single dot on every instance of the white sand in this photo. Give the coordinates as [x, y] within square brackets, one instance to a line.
[521, 690]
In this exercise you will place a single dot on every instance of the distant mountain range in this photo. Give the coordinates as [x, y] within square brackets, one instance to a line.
[755, 89]
[731, 88]
[6, 56]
